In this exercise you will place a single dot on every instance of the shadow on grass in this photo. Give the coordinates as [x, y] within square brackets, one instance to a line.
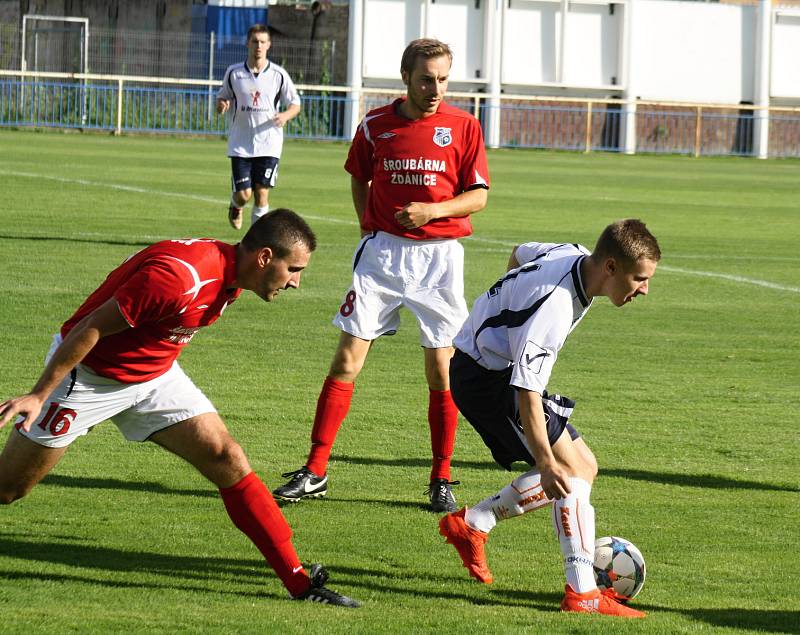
[333, 499]
[202, 574]
[764, 620]
[81, 482]
[119, 561]
[708, 481]
[409, 462]
[75, 239]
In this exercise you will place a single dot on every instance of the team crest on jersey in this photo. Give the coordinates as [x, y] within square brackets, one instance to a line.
[533, 357]
[443, 137]
[386, 135]
[256, 98]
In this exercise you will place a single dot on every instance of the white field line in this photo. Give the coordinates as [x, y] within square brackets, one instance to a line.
[328, 219]
[732, 278]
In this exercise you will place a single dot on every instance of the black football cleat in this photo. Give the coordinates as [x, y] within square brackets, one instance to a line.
[303, 483]
[441, 495]
[318, 592]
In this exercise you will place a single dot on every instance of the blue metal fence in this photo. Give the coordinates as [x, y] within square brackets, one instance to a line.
[578, 126]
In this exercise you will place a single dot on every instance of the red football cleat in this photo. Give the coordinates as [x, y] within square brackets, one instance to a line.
[469, 544]
[596, 602]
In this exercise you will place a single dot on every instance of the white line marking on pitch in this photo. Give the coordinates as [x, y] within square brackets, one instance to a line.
[732, 278]
[327, 219]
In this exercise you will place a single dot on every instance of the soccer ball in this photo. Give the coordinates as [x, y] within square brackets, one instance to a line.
[618, 564]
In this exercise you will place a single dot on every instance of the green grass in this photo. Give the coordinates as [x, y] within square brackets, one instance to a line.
[689, 399]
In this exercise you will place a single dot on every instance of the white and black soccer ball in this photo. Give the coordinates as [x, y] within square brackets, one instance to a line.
[618, 564]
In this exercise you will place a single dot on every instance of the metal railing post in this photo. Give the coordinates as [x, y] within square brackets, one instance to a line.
[588, 127]
[118, 130]
[211, 42]
[698, 129]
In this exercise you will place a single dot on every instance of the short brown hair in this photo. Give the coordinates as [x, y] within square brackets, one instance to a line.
[280, 230]
[258, 28]
[628, 241]
[423, 47]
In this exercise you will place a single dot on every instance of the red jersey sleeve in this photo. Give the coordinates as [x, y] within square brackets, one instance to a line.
[474, 164]
[151, 294]
[359, 158]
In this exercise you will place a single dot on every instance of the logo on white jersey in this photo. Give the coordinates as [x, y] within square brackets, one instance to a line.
[256, 98]
[442, 136]
[533, 357]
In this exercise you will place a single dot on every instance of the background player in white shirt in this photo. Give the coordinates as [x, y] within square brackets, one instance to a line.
[253, 91]
[505, 353]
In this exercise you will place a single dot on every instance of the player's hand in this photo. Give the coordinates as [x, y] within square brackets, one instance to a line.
[223, 105]
[555, 481]
[28, 405]
[415, 215]
[279, 120]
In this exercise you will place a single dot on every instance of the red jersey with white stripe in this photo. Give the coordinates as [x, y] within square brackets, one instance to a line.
[166, 293]
[425, 160]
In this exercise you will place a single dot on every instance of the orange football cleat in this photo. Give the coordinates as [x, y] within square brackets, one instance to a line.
[596, 602]
[469, 544]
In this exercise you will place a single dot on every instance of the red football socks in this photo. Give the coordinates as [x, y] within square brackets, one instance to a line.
[254, 511]
[332, 407]
[443, 420]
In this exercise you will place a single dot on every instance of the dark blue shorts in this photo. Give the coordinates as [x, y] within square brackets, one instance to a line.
[247, 172]
[489, 403]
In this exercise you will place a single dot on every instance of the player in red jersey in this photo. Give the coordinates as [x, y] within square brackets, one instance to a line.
[115, 358]
[418, 170]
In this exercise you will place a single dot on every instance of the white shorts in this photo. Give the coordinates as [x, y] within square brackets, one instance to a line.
[427, 277]
[84, 399]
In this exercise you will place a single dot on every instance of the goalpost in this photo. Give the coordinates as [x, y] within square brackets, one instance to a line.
[83, 64]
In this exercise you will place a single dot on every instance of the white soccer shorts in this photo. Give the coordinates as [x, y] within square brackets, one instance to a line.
[427, 277]
[84, 399]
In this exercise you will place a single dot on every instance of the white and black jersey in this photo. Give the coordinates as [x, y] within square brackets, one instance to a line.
[256, 99]
[523, 320]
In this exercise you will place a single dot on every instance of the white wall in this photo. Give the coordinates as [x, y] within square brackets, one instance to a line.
[785, 75]
[689, 51]
[389, 25]
[530, 42]
[678, 51]
[461, 25]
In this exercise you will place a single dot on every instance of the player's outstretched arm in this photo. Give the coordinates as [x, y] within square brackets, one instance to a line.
[105, 320]
[418, 214]
[555, 476]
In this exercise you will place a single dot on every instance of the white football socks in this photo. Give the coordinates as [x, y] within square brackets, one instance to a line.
[523, 495]
[257, 213]
[573, 519]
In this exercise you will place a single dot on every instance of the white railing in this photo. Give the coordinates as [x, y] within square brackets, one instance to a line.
[121, 103]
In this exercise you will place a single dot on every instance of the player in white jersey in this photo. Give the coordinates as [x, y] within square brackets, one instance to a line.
[505, 353]
[254, 91]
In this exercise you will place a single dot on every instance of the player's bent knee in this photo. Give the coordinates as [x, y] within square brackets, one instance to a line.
[242, 196]
[228, 464]
[345, 366]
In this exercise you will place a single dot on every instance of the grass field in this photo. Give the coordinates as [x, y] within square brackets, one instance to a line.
[689, 398]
